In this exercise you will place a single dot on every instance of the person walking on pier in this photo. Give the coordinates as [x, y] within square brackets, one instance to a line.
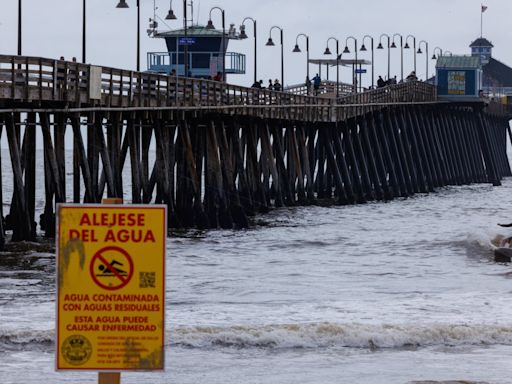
[412, 77]
[277, 86]
[380, 82]
[218, 77]
[308, 85]
[316, 83]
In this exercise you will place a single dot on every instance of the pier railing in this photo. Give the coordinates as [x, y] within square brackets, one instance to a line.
[327, 89]
[28, 79]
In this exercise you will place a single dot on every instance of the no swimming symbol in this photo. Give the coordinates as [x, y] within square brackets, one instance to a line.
[111, 268]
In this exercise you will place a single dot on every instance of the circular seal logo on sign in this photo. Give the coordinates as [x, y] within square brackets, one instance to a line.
[111, 268]
[76, 350]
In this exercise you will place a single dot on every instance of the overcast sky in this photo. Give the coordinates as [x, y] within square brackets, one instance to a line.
[52, 28]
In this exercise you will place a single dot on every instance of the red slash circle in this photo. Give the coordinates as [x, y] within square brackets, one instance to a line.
[111, 268]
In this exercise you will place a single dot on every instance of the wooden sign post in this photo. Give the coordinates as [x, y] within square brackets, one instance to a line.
[110, 377]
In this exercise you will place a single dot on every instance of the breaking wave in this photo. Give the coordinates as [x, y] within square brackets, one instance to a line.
[324, 335]
[22, 339]
[316, 335]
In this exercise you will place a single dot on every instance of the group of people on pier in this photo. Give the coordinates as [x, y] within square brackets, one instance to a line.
[272, 86]
[381, 83]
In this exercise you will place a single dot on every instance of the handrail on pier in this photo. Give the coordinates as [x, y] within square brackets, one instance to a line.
[56, 82]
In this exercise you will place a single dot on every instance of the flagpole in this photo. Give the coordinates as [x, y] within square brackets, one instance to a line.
[481, 20]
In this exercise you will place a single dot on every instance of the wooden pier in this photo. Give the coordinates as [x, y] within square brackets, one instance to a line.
[217, 153]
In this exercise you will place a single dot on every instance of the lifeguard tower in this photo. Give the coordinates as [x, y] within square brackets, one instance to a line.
[197, 51]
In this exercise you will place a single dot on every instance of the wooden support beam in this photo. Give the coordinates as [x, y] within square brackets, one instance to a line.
[377, 150]
[81, 159]
[2, 227]
[306, 167]
[331, 158]
[283, 174]
[51, 157]
[228, 175]
[59, 134]
[105, 159]
[22, 229]
[266, 150]
[367, 150]
[355, 133]
[29, 161]
[131, 132]
[343, 166]
[245, 195]
[386, 155]
[399, 163]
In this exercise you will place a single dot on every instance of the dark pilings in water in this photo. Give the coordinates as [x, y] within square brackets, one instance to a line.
[216, 170]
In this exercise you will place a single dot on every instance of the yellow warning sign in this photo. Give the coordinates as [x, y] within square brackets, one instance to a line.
[111, 285]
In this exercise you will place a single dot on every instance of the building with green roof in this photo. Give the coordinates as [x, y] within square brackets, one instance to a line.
[459, 77]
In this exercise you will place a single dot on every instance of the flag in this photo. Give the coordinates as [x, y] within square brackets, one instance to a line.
[484, 8]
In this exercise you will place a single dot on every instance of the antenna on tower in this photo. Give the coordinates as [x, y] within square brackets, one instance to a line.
[192, 12]
[198, 8]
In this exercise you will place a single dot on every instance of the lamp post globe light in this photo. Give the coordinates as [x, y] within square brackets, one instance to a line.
[413, 47]
[389, 51]
[426, 55]
[296, 49]
[393, 45]
[270, 43]
[122, 4]
[328, 52]
[223, 48]
[355, 83]
[363, 49]
[243, 35]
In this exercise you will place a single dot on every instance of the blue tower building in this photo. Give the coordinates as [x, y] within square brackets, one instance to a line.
[482, 48]
[201, 49]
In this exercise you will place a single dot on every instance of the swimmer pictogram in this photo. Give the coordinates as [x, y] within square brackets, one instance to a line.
[111, 268]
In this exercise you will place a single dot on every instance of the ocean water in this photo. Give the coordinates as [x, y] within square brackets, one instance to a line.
[385, 292]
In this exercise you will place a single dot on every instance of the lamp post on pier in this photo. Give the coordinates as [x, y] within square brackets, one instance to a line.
[426, 55]
[363, 49]
[393, 45]
[223, 48]
[389, 51]
[84, 8]
[297, 49]
[413, 48]
[328, 52]
[243, 35]
[355, 83]
[123, 4]
[19, 27]
[439, 51]
[185, 49]
[270, 43]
